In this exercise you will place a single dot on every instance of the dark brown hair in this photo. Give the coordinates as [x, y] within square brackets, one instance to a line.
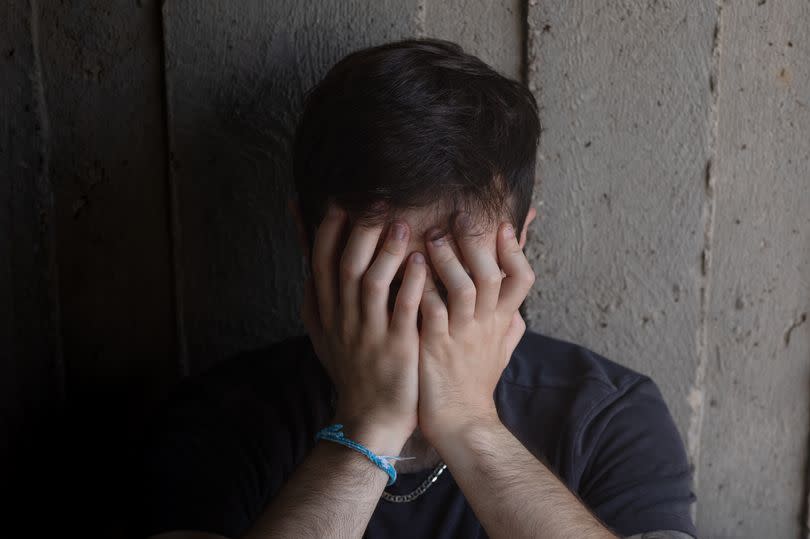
[414, 123]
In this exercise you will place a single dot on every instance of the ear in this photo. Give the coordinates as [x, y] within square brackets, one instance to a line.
[301, 232]
[529, 218]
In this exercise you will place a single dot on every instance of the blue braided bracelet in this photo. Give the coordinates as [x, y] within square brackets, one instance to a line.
[334, 433]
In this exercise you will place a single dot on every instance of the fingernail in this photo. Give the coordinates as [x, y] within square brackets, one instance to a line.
[509, 232]
[398, 231]
[436, 237]
[418, 258]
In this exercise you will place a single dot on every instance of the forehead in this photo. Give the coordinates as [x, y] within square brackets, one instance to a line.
[424, 219]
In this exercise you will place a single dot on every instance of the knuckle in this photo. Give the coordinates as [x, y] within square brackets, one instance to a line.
[529, 277]
[408, 303]
[350, 270]
[372, 284]
[436, 312]
[492, 279]
[466, 292]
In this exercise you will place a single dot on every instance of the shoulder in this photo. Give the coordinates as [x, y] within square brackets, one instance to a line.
[542, 361]
[250, 390]
[568, 399]
[579, 384]
[228, 437]
[614, 441]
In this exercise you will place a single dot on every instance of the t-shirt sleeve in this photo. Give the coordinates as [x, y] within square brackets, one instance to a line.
[637, 478]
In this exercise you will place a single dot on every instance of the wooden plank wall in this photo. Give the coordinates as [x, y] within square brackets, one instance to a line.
[144, 235]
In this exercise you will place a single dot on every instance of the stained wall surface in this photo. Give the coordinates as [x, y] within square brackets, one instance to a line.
[145, 236]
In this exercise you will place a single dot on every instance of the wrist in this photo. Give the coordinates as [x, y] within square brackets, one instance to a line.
[380, 438]
[460, 430]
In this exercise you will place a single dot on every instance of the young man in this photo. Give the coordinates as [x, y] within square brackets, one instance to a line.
[414, 164]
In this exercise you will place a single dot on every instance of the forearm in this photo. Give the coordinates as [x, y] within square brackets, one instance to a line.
[332, 493]
[512, 493]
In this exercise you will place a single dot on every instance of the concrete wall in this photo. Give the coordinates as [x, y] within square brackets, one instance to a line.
[144, 168]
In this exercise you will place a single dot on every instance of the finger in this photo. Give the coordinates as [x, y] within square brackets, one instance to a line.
[406, 307]
[484, 267]
[325, 252]
[354, 263]
[377, 280]
[433, 309]
[514, 333]
[519, 274]
[460, 288]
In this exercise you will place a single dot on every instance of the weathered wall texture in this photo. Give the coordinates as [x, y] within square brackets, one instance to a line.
[145, 168]
[675, 227]
[757, 364]
[621, 167]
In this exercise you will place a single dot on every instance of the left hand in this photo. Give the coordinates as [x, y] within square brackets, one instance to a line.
[465, 345]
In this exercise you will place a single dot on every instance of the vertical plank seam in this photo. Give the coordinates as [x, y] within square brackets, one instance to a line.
[45, 201]
[524, 42]
[175, 236]
[696, 397]
[531, 38]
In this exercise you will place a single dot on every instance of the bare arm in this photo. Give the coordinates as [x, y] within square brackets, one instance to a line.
[465, 345]
[332, 493]
[512, 493]
[372, 356]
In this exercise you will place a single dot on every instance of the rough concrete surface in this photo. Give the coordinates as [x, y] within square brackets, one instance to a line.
[493, 30]
[674, 237]
[753, 452]
[623, 89]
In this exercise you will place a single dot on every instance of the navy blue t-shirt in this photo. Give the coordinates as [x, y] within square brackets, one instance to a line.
[230, 438]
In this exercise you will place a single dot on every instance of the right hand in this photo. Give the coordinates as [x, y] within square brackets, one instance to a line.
[371, 354]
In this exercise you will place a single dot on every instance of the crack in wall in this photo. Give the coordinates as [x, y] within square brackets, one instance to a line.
[524, 42]
[696, 397]
[421, 18]
[175, 230]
